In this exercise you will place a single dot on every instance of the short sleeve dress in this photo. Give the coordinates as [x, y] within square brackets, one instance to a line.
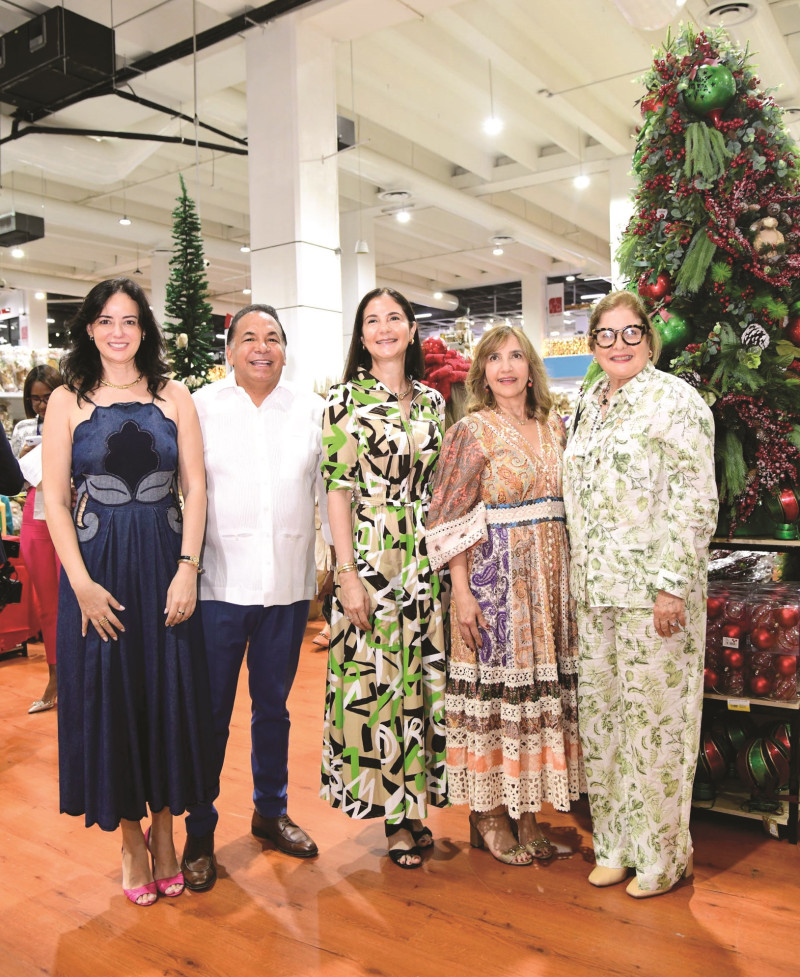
[133, 714]
[383, 743]
[512, 724]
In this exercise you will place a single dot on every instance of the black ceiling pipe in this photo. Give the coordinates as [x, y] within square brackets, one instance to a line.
[18, 133]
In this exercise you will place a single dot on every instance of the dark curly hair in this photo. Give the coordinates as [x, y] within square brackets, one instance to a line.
[81, 367]
[47, 375]
[358, 357]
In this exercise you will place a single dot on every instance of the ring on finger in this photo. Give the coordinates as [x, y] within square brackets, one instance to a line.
[103, 620]
[180, 612]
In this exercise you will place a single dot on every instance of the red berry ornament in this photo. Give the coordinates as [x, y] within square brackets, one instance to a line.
[787, 616]
[760, 685]
[763, 638]
[733, 658]
[733, 632]
[710, 679]
[715, 606]
[786, 664]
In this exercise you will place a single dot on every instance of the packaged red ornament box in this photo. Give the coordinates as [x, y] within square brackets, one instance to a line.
[753, 640]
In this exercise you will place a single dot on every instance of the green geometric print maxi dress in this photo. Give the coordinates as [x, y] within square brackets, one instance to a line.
[383, 750]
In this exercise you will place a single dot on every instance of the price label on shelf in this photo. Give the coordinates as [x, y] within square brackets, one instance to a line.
[730, 642]
[738, 705]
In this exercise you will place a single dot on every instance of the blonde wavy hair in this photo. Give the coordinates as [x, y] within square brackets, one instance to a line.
[538, 399]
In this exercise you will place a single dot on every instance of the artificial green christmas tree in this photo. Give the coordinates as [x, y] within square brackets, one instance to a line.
[714, 249]
[188, 328]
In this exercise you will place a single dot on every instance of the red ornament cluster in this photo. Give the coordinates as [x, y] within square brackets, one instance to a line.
[443, 366]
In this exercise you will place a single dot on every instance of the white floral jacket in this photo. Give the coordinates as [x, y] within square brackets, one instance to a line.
[639, 492]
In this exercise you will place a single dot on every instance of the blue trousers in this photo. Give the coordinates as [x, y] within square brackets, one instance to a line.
[271, 636]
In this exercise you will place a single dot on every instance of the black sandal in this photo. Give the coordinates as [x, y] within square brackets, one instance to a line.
[419, 833]
[397, 853]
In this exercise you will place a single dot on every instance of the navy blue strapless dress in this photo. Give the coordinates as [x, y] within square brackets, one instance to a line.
[133, 714]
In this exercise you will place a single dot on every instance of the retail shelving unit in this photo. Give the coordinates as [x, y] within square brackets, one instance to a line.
[732, 798]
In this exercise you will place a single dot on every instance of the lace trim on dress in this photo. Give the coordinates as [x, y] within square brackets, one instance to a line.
[451, 538]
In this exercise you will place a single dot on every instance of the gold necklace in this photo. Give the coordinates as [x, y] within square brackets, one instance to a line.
[121, 386]
[405, 393]
[513, 419]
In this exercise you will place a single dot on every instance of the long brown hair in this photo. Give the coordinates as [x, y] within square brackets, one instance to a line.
[538, 399]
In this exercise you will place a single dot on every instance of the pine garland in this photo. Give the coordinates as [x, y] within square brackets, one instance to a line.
[694, 269]
[706, 152]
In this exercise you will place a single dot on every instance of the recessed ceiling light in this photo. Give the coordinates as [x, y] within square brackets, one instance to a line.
[570, 278]
[403, 216]
[38, 295]
[581, 181]
[17, 253]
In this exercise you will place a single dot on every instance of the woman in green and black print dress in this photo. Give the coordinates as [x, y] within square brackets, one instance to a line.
[384, 736]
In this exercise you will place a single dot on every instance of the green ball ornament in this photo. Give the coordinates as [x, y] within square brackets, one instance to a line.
[713, 87]
[674, 331]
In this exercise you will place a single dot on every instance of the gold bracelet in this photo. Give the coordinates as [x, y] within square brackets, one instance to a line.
[193, 561]
[345, 568]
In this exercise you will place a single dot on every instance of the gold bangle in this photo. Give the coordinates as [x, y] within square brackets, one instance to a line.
[346, 567]
[193, 561]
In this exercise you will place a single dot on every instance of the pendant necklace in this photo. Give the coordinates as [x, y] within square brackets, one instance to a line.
[121, 386]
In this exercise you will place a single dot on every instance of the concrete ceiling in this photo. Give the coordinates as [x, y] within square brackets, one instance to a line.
[414, 76]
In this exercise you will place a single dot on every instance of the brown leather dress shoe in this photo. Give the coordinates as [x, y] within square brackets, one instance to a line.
[284, 834]
[199, 866]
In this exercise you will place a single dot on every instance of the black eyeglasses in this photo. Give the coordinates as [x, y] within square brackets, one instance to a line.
[39, 400]
[631, 336]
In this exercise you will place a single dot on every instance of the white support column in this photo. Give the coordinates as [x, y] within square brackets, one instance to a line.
[534, 311]
[620, 184]
[358, 270]
[159, 276]
[37, 331]
[294, 198]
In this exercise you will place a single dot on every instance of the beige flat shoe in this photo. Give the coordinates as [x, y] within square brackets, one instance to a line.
[42, 705]
[635, 892]
[602, 876]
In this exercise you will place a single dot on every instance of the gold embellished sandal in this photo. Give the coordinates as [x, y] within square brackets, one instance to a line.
[516, 855]
[541, 848]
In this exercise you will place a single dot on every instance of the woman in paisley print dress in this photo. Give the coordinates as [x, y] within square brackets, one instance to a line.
[497, 517]
[641, 506]
[384, 746]
[133, 686]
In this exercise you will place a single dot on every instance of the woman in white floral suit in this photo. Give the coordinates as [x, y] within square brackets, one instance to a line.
[641, 506]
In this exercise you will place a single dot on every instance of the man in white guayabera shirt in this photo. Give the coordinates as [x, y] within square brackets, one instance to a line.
[263, 444]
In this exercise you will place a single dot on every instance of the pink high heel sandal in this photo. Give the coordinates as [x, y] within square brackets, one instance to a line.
[163, 884]
[143, 890]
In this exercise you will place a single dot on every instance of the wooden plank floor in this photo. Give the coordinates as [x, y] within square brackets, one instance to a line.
[351, 911]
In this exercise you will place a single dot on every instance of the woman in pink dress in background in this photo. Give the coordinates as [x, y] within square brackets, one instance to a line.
[497, 518]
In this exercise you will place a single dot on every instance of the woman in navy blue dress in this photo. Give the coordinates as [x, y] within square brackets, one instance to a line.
[132, 681]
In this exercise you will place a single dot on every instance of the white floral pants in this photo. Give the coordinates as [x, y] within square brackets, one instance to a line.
[639, 707]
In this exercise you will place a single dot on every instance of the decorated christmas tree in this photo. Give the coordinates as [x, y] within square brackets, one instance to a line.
[188, 328]
[714, 249]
